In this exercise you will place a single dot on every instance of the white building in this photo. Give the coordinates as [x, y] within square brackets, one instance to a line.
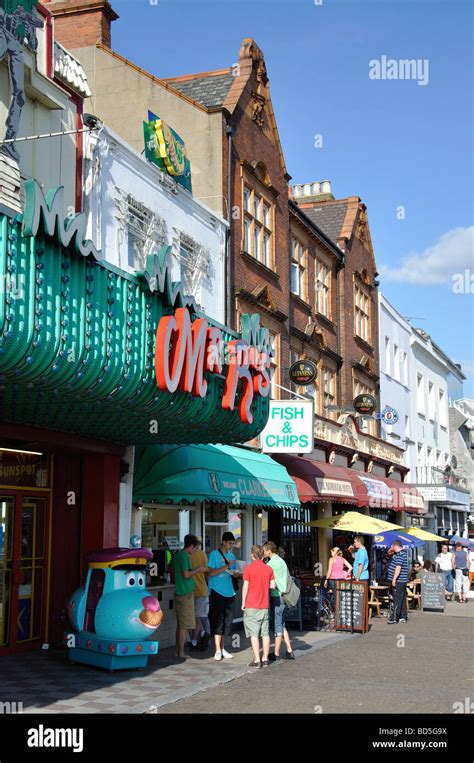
[395, 379]
[135, 209]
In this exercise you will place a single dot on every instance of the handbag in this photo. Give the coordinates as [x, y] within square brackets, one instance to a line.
[235, 582]
[292, 594]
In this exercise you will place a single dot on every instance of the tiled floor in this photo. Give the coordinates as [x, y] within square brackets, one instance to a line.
[45, 682]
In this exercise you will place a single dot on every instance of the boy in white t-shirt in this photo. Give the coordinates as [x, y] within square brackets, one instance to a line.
[444, 565]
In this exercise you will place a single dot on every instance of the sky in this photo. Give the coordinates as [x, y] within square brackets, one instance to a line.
[404, 145]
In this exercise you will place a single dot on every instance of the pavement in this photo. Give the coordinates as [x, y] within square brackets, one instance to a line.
[425, 665]
[45, 681]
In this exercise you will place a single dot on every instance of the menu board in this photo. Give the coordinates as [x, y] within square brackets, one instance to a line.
[351, 606]
[432, 592]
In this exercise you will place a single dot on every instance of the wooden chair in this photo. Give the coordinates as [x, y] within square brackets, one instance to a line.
[373, 603]
[414, 594]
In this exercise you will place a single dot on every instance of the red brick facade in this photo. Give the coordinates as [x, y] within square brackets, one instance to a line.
[78, 23]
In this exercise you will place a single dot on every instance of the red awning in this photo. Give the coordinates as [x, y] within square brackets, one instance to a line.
[319, 481]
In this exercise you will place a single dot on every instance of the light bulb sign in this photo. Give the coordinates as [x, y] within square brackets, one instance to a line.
[289, 427]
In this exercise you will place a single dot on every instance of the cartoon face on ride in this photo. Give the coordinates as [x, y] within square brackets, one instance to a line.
[114, 603]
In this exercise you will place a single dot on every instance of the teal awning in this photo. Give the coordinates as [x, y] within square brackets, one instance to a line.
[219, 473]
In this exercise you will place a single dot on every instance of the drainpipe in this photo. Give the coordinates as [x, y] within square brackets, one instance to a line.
[229, 285]
[339, 266]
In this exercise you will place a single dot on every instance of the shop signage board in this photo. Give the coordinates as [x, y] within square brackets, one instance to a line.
[289, 428]
[389, 415]
[347, 435]
[351, 616]
[165, 148]
[432, 592]
[449, 494]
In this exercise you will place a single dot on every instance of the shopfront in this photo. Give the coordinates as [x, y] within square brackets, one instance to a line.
[94, 361]
[205, 490]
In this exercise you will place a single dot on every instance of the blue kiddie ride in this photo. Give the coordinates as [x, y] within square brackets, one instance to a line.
[112, 614]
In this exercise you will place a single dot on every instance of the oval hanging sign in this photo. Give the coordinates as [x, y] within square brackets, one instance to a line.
[303, 372]
[365, 404]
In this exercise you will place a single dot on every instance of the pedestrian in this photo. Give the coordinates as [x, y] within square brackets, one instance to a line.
[398, 579]
[461, 570]
[444, 565]
[277, 605]
[258, 580]
[415, 570]
[427, 566]
[361, 560]
[222, 568]
[184, 575]
[202, 632]
[471, 568]
[336, 571]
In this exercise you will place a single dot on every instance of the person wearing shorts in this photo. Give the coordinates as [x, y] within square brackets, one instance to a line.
[221, 594]
[184, 592]
[277, 605]
[258, 580]
[201, 634]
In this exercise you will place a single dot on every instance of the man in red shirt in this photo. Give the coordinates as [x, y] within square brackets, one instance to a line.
[258, 579]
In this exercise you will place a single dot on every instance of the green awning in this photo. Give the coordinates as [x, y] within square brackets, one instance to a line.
[219, 473]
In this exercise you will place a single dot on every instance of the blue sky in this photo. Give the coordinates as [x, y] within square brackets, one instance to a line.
[395, 143]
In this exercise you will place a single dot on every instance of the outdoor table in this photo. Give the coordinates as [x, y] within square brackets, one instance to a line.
[382, 589]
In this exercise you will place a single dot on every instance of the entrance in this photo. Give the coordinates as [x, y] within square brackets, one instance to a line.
[24, 540]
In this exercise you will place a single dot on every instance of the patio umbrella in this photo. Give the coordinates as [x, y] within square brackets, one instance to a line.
[385, 540]
[352, 521]
[463, 541]
[423, 534]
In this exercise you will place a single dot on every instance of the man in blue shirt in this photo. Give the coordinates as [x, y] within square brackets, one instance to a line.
[398, 579]
[361, 560]
[222, 567]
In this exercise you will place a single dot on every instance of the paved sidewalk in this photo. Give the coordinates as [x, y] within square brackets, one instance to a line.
[45, 681]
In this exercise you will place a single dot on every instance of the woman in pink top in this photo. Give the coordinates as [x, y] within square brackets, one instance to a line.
[336, 570]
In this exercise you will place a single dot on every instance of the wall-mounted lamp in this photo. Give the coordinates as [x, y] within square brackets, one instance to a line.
[259, 513]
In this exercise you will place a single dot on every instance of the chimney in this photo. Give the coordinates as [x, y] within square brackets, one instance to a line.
[80, 23]
[303, 193]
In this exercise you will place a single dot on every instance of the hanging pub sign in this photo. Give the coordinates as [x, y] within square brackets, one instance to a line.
[389, 415]
[165, 148]
[365, 404]
[303, 372]
[186, 351]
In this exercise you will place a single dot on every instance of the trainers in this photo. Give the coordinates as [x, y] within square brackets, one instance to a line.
[391, 622]
[218, 656]
[403, 620]
[227, 655]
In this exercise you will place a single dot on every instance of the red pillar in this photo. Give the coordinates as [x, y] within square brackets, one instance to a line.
[100, 503]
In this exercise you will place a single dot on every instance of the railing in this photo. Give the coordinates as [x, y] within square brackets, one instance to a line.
[432, 475]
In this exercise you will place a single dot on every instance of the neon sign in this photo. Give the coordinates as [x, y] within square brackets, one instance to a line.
[186, 351]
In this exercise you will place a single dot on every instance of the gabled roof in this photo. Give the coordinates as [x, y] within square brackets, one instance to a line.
[329, 217]
[210, 88]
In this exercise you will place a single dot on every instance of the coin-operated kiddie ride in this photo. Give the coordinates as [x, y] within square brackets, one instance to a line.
[112, 614]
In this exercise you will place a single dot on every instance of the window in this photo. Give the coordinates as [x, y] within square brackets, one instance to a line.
[429, 456]
[407, 426]
[298, 268]
[328, 392]
[362, 314]
[405, 369]
[439, 459]
[431, 401]
[257, 227]
[419, 454]
[442, 408]
[420, 394]
[323, 289]
[387, 355]
[396, 362]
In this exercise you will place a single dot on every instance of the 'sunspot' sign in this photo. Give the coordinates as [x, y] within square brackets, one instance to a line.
[289, 428]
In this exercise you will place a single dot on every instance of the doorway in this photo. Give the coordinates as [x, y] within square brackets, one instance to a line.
[24, 555]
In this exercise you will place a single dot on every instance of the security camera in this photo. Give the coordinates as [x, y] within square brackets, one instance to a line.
[90, 121]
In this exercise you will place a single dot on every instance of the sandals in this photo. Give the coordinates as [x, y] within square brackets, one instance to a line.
[254, 664]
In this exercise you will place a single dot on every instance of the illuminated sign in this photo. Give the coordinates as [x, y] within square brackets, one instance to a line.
[165, 148]
[186, 351]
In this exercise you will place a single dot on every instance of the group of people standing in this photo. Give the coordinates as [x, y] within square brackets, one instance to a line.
[205, 591]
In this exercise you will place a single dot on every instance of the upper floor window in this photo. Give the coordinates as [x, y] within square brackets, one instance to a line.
[443, 418]
[361, 314]
[328, 392]
[387, 355]
[405, 369]
[431, 401]
[258, 226]
[323, 289]
[396, 362]
[420, 394]
[298, 269]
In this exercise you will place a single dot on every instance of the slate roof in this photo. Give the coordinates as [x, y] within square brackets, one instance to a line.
[329, 217]
[209, 91]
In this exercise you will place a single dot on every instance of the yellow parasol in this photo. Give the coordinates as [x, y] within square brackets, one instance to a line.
[423, 534]
[352, 521]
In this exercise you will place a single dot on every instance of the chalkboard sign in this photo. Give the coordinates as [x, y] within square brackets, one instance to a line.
[432, 592]
[294, 614]
[351, 617]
